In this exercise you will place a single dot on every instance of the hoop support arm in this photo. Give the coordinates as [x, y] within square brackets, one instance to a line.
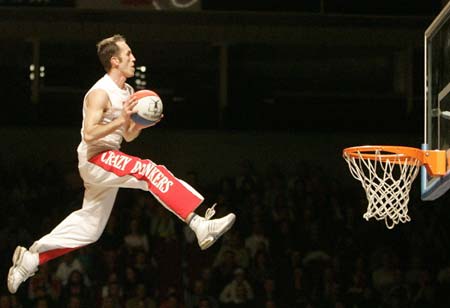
[434, 161]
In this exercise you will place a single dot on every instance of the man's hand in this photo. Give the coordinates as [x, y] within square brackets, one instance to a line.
[128, 108]
[134, 129]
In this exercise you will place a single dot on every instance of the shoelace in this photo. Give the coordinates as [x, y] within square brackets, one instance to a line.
[210, 212]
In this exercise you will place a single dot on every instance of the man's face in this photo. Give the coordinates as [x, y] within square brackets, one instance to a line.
[126, 60]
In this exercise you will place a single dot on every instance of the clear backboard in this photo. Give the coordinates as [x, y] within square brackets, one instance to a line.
[437, 100]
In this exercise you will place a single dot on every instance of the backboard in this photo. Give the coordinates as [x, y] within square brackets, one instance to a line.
[437, 100]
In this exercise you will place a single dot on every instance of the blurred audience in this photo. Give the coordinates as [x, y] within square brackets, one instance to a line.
[299, 241]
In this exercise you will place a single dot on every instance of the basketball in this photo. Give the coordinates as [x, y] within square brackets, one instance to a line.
[148, 109]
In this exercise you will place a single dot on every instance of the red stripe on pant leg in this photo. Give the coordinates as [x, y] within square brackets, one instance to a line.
[46, 256]
[178, 197]
[160, 181]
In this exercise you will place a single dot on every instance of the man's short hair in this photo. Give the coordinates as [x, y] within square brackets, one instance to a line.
[107, 48]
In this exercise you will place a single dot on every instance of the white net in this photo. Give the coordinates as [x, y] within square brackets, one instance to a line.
[387, 183]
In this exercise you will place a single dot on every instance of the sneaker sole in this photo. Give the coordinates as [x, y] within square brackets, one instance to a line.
[16, 259]
[211, 240]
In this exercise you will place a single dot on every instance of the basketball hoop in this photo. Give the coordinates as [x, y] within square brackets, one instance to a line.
[386, 174]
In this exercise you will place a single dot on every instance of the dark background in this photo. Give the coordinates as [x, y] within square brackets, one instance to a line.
[291, 65]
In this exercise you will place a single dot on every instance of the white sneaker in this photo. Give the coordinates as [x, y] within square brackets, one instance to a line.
[209, 231]
[25, 264]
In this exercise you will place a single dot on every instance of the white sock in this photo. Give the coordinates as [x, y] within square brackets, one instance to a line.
[33, 260]
[195, 220]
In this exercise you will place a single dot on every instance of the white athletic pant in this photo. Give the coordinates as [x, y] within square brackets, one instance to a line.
[103, 175]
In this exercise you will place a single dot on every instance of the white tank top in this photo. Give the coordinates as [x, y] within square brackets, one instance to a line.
[112, 141]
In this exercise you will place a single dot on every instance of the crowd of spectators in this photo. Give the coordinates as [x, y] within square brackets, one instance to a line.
[299, 241]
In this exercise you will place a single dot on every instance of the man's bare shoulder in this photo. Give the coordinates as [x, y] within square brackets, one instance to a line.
[97, 97]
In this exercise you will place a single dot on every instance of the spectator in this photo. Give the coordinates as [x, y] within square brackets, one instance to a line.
[223, 272]
[257, 240]
[267, 294]
[74, 302]
[386, 275]
[162, 226]
[426, 296]
[247, 179]
[130, 282]
[76, 287]
[146, 269]
[111, 238]
[261, 268]
[283, 239]
[113, 278]
[171, 300]
[232, 241]
[197, 293]
[114, 296]
[5, 301]
[136, 239]
[238, 292]
[70, 263]
[141, 299]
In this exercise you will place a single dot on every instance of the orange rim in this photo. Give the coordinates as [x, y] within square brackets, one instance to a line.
[434, 160]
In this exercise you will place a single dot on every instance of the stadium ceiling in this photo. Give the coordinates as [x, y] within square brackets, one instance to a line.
[322, 30]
